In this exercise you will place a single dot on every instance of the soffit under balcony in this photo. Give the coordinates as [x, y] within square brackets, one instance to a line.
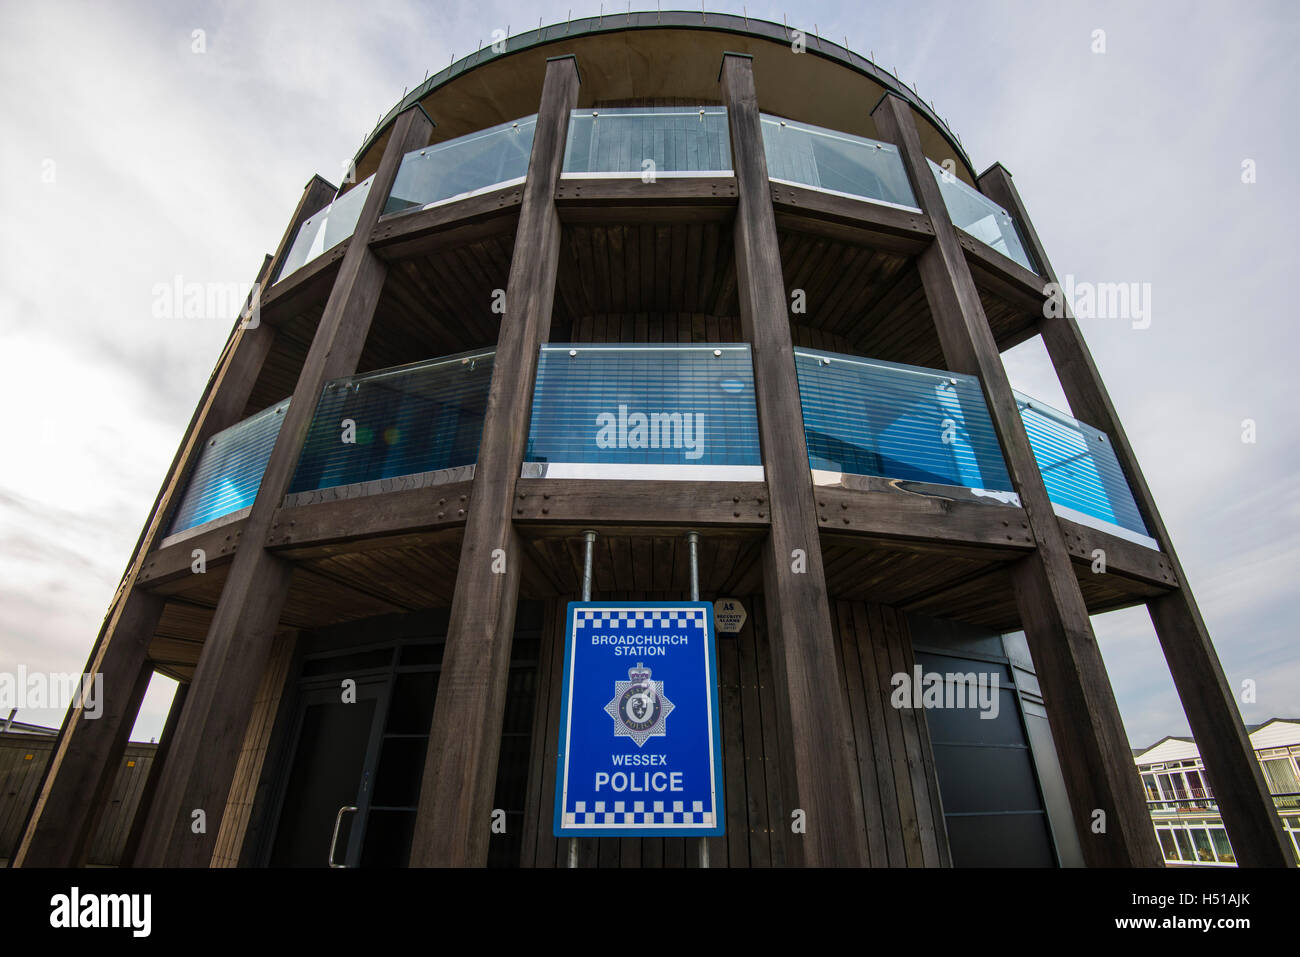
[647, 564]
[284, 361]
[940, 582]
[439, 303]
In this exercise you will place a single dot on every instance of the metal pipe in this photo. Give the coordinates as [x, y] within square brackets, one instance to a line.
[589, 538]
[693, 545]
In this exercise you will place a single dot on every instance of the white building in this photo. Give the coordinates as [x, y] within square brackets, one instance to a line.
[1183, 808]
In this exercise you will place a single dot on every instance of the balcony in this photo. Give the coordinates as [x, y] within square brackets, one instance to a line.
[646, 411]
[648, 142]
[976, 214]
[799, 154]
[411, 422]
[229, 470]
[441, 173]
[1083, 477]
[886, 420]
[326, 229]
[665, 412]
[463, 167]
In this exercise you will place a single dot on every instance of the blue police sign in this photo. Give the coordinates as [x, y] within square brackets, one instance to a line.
[640, 752]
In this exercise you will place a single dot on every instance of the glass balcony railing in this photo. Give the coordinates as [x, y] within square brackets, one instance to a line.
[463, 166]
[229, 470]
[644, 411]
[333, 224]
[867, 417]
[834, 162]
[1083, 477]
[668, 411]
[672, 141]
[978, 215]
[406, 420]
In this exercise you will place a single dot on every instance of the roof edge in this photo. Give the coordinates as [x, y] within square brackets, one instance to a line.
[668, 19]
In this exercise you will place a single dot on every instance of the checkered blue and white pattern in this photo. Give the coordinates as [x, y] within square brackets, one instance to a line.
[601, 620]
[615, 813]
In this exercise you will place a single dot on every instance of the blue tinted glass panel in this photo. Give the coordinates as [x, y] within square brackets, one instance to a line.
[839, 162]
[322, 232]
[868, 417]
[464, 165]
[644, 405]
[978, 215]
[411, 419]
[229, 470]
[1079, 466]
[677, 140]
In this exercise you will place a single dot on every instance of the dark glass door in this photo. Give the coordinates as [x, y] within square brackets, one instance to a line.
[327, 794]
[349, 775]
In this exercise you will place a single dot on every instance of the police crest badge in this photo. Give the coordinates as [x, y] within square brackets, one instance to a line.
[639, 707]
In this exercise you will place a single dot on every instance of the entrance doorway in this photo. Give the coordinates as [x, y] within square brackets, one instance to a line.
[328, 788]
[351, 756]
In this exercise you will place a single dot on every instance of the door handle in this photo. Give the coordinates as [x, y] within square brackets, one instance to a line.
[338, 819]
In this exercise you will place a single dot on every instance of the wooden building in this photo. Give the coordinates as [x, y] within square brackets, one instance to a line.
[775, 270]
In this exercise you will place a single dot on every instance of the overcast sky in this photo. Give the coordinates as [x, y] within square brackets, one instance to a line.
[127, 160]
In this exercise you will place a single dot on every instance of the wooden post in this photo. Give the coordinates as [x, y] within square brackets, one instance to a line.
[86, 756]
[155, 771]
[815, 733]
[1085, 721]
[452, 824]
[202, 760]
[1249, 814]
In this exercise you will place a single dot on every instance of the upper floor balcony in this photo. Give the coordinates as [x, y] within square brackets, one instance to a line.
[665, 411]
[650, 143]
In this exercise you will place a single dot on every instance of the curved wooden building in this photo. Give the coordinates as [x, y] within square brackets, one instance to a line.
[644, 275]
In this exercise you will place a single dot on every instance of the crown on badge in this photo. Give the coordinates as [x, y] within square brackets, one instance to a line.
[638, 674]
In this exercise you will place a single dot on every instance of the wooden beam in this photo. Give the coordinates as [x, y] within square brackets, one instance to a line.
[168, 563]
[86, 754]
[627, 200]
[1003, 276]
[820, 771]
[155, 771]
[299, 531]
[303, 287]
[904, 516]
[1249, 814]
[239, 639]
[544, 502]
[316, 195]
[1085, 721]
[1123, 557]
[845, 219]
[453, 821]
[418, 232]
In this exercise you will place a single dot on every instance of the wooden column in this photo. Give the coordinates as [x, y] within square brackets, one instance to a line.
[452, 825]
[203, 757]
[86, 757]
[1249, 814]
[815, 732]
[155, 771]
[1091, 742]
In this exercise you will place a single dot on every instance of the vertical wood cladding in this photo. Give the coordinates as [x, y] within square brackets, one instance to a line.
[248, 772]
[895, 762]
